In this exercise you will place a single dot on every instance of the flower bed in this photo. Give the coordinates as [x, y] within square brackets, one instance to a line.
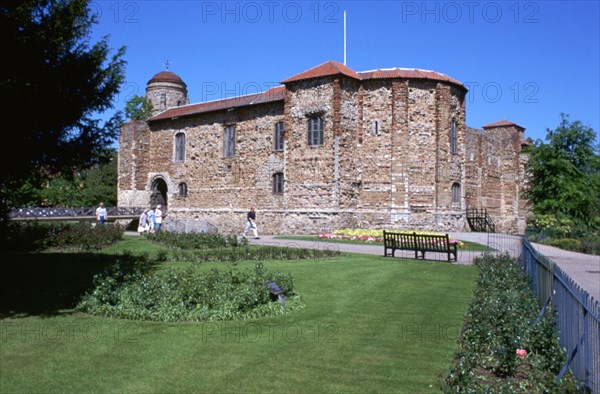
[372, 236]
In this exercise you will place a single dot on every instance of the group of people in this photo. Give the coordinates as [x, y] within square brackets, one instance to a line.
[151, 220]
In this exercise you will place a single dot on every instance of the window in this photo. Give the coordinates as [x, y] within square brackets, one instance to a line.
[278, 183]
[376, 127]
[315, 131]
[278, 136]
[183, 189]
[453, 138]
[455, 193]
[179, 147]
[229, 141]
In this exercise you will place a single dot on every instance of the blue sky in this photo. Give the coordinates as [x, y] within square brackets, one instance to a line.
[525, 61]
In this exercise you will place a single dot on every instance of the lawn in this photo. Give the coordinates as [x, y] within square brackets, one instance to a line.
[371, 324]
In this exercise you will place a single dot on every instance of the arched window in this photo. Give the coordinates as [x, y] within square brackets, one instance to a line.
[179, 147]
[183, 189]
[455, 193]
[453, 138]
[278, 183]
[315, 131]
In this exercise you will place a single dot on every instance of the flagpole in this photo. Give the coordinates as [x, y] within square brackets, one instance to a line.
[344, 37]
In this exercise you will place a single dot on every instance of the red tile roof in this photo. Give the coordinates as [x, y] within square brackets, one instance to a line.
[335, 68]
[326, 69]
[407, 73]
[271, 95]
[501, 123]
[329, 68]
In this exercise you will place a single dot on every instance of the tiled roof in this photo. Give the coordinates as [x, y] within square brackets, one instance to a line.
[501, 123]
[166, 76]
[336, 68]
[271, 95]
[329, 68]
[326, 69]
[408, 73]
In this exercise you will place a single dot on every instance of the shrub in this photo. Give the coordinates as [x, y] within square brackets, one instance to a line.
[250, 253]
[197, 240]
[187, 295]
[501, 320]
[567, 243]
[35, 236]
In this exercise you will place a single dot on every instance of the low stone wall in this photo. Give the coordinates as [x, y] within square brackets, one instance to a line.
[233, 221]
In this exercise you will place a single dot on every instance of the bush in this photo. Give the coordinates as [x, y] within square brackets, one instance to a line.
[567, 243]
[35, 236]
[186, 295]
[250, 253]
[500, 320]
[197, 240]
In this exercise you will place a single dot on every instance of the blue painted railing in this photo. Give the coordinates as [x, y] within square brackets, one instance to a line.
[578, 316]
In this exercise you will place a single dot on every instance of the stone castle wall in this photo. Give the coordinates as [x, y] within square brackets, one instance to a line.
[385, 161]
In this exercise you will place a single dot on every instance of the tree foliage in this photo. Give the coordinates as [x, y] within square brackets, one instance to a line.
[565, 174]
[53, 82]
[81, 188]
[138, 108]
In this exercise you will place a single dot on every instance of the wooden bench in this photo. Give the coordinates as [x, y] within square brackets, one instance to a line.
[419, 243]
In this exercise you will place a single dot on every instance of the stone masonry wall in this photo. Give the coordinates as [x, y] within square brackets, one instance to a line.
[385, 161]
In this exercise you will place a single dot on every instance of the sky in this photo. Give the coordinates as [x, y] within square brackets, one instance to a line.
[525, 61]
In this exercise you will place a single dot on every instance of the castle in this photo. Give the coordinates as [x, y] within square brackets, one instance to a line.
[329, 148]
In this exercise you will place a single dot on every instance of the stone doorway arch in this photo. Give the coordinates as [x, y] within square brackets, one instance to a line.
[158, 193]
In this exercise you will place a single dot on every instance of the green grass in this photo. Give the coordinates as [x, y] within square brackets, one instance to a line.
[469, 246]
[370, 324]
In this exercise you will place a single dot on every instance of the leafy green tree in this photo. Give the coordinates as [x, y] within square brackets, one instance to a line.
[53, 81]
[138, 108]
[565, 174]
[84, 189]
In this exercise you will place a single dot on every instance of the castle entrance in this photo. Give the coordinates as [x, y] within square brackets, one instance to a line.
[159, 193]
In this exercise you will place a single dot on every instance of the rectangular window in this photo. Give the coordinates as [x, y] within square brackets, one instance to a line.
[278, 136]
[455, 193]
[179, 147]
[453, 138]
[315, 131]
[278, 183]
[229, 141]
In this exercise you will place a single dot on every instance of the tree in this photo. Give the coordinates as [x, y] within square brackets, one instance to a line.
[138, 108]
[53, 82]
[84, 189]
[565, 174]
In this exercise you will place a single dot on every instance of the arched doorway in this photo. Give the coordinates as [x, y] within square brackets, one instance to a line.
[159, 193]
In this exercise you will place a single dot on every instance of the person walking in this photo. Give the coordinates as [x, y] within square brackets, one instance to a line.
[251, 223]
[143, 226]
[101, 214]
[158, 218]
[152, 219]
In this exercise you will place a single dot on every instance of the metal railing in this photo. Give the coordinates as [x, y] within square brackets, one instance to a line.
[56, 213]
[480, 221]
[578, 315]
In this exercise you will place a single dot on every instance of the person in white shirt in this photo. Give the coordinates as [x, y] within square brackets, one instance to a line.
[158, 219]
[101, 214]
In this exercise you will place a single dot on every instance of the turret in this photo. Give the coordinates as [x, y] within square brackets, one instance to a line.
[166, 90]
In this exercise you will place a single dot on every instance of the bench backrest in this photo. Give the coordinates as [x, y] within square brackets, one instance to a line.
[415, 241]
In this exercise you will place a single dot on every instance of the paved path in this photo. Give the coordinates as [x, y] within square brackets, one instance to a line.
[584, 269]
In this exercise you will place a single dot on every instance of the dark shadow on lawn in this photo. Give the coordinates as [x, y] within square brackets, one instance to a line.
[47, 284]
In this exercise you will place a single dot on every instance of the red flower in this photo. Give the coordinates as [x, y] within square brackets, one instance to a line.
[521, 353]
